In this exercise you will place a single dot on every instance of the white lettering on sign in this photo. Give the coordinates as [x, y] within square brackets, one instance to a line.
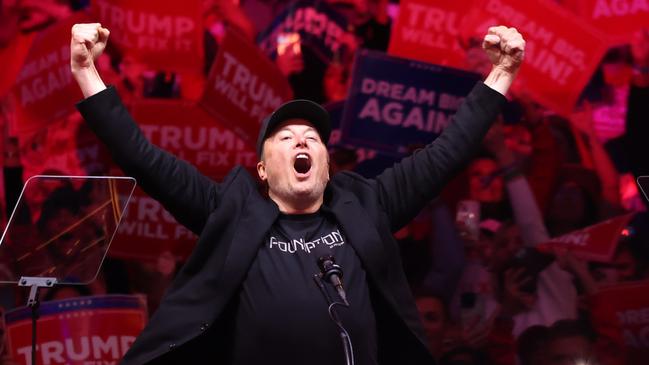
[398, 91]
[612, 8]
[148, 31]
[44, 76]
[90, 350]
[394, 112]
[244, 88]
[577, 239]
[192, 138]
[634, 316]
[147, 209]
[431, 26]
[548, 53]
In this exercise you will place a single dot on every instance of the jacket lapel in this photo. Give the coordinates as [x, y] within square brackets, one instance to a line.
[258, 216]
[362, 236]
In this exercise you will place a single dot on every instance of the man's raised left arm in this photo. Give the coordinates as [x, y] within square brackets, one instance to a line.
[405, 188]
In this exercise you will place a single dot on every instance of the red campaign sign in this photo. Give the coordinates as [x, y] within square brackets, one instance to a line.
[147, 231]
[244, 86]
[562, 51]
[619, 18]
[165, 35]
[594, 243]
[430, 32]
[45, 89]
[187, 131]
[620, 316]
[78, 331]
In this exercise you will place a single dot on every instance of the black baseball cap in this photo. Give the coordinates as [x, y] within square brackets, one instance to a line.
[308, 110]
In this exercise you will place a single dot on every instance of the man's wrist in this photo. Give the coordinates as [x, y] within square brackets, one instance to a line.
[500, 79]
[89, 80]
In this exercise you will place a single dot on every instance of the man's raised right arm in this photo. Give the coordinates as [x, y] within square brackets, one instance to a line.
[186, 193]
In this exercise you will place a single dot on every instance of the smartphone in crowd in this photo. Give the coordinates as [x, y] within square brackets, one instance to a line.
[467, 219]
[288, 41]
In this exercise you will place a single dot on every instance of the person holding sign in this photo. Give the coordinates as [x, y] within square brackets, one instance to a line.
[246, 295]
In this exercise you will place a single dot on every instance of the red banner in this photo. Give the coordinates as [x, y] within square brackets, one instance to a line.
[429, 31]
[45, 89]
[562, 51]
[620, 315]
[594, 243]
[166, 35]
[78, 331]
[187, 131]
[618, 18]
[244, 86]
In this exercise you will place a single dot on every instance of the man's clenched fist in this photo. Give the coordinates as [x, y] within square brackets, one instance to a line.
[505, 48]
[87, 43]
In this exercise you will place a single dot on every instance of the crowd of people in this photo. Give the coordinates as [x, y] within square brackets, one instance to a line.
[485, 294]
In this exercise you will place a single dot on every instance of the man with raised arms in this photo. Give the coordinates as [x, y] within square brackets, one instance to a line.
[242, 298]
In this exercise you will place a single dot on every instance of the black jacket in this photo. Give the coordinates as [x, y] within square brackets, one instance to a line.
[232, 219]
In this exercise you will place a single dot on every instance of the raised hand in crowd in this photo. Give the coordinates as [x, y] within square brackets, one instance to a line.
[514, 298]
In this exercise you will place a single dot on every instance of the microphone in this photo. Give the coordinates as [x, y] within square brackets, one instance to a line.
[332, 273]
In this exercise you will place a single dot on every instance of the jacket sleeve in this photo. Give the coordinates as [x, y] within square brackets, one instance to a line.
[187, 194]
[407, 186]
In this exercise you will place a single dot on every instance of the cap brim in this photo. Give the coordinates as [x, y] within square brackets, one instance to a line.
[308, 110]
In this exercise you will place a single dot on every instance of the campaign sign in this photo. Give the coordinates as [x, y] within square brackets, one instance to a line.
[368, 162]
[620, 316]
[319, 26]
[620, 18]
[187, 131]
[244, 87]
[594, 243]
[562, 51]
[395, 104]
[78, 331]
[45, 89]
[165, 35]
[429, 31]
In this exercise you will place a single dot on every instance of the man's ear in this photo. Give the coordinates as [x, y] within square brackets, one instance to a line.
[261, 170]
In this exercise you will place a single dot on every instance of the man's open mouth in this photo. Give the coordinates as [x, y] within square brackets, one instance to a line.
[302, 163]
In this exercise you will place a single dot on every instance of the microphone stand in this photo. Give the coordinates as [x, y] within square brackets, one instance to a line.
[344, 336]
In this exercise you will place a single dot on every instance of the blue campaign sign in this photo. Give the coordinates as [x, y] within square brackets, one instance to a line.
[370, 163]
[396, 105]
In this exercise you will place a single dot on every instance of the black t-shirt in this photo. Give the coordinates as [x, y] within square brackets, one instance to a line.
[282, 314]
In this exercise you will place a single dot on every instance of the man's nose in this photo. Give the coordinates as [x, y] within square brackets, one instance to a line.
[301, 141]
